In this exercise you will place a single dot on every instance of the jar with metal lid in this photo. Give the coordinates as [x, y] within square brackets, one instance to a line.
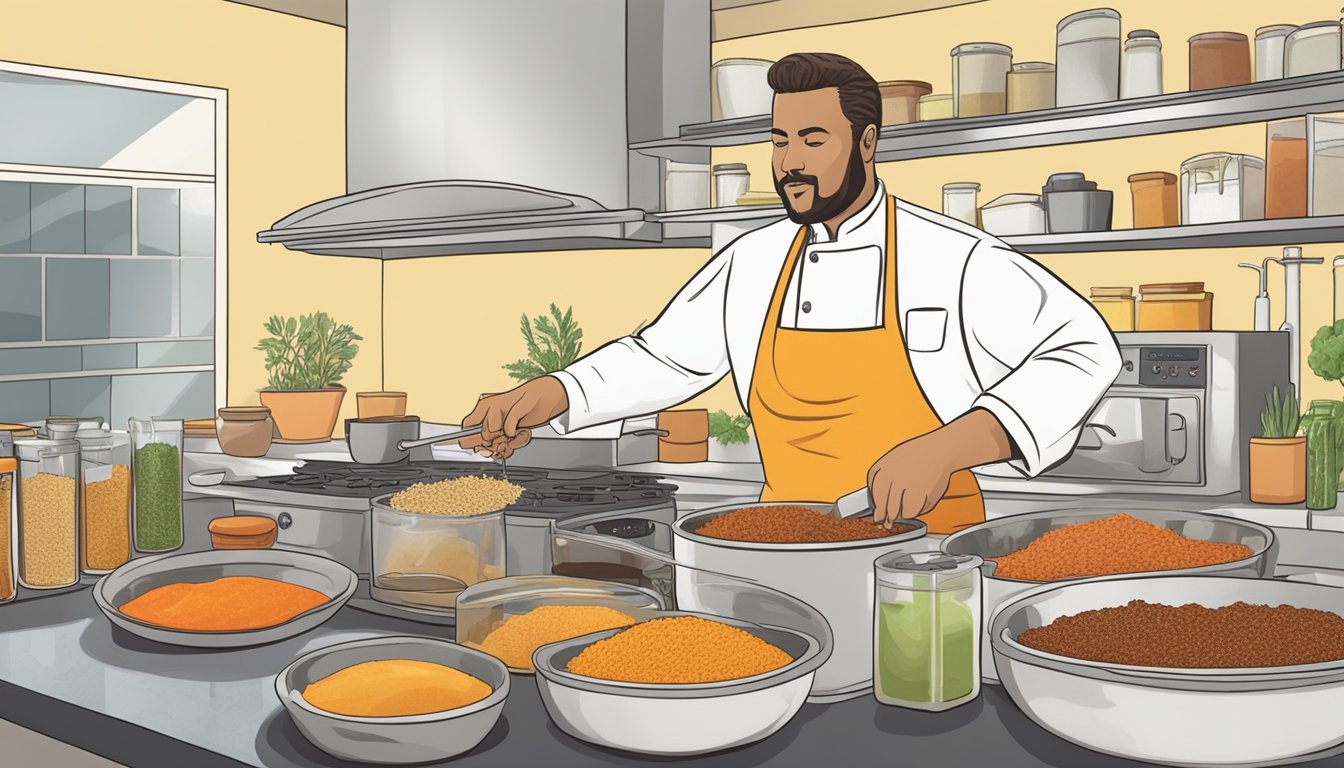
[900, 100]
[960, 201]
[1219, 60]
[935, 106]
[1156, 200]
[1031, 86]
[1269, 51]
[1116, 307]
[9, 469]
[1311, 49]
[48, 529]
[731, 181]
[156, 465]
[1142, 71]
[105, 500]
[927, 625]
[1087, 57]
[980, 79]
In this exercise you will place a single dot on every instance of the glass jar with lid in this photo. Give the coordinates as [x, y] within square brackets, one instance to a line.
[1311, 49]
[935, 106]
[105, 500]
[1222, 186]
[960, 201]
[1269, 51]
[156, 466]
[980, 79]
[1087, 57]
[48, 520]
[1142, 71]
[9, 470]
[1116, 306]
[1031, 86]
[927, 628]
[731, 181]
[900, 100]
[1219, 60]
[424, 561]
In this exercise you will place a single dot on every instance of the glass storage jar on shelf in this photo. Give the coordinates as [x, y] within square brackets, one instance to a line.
[935, 106]
[1219, 60]
[1174, 307]
[1220, 186]
[961, 201]
[1116, 306]
[1142, 71]
[424, 561]
[1269, 51]
[900, 100]
[1031, 86]
[48, 520]
[980, 79]
[1087, 57]
[105, 501]
[1325, 164]
[1322, 461]
[9, 470]
[1156, 202]
[1311, 49]
[156, 466]
[1286, 168]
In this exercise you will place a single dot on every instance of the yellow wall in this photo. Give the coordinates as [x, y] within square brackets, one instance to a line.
[286, 82]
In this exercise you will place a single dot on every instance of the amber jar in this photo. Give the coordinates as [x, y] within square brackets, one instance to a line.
[1175, 307]
[245, 430]
[900, 100]
[687, 438]
[1156, 199]
[1219, 59]
[1116, 307]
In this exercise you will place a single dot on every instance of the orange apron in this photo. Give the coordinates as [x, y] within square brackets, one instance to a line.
[828, 404]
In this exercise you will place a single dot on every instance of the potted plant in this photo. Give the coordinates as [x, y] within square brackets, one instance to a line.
[731, 439]
[1279, 455]
[306, 357]
[552, 344]
[1327, 361]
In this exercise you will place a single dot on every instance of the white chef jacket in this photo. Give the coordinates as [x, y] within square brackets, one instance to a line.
[984, 326]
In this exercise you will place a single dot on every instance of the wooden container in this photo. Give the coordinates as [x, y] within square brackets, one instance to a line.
[245, 430]
[1279, 470]
[373, 405]
[1175, 307]
[1156, 199]
[900, 100]
[1116, 307]
[687, 437]
[242, 532]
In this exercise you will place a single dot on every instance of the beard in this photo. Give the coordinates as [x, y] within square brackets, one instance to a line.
[825, 208]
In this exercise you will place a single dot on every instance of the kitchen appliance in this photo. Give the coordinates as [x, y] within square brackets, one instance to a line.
[980, 79]
[1142, 75]
[1184, 717]
[1087, 57]
[1177, 420]
[738, 88]
[1074, 204]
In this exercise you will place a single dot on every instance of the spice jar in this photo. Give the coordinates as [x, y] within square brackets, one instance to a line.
[1087, 57]
[156, 466]
[245, 430]
[1219, 59]
[731, 181]
[980, 79]
[960, 201]
[1269, 51]
[1142, 68]
[926, 645]
[935, 106]
[1156, 201]
[687, 438]
[900, 100]
[9, 469]
[1322, 461]
[48, 529]
[1312, 48]
[1116, 307]
[1031, 86]
[1175, 307]
[105, 500]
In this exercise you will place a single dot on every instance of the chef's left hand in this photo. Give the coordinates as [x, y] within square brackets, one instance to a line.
[910, 479]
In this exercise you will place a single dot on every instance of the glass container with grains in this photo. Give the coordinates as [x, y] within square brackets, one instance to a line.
[105, 504]
[48, 502]
[156, 465]
[1322, 461]
[9, 468]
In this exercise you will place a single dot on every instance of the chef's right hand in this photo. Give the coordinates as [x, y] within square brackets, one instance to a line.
[506, 419]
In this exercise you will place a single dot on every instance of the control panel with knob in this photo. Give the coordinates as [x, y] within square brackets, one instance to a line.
[1172, 367]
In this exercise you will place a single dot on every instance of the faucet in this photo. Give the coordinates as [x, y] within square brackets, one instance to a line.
[1292, 262]
[1262, 298]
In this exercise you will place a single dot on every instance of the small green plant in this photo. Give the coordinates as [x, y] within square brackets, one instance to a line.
[1327, 352]
[307, 352]
[552, 343]
[1280, 418]
[728, 429]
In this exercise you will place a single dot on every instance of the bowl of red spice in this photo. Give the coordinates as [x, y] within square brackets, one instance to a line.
[1180, 670]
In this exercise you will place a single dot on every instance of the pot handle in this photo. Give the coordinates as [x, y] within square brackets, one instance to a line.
[645, 433]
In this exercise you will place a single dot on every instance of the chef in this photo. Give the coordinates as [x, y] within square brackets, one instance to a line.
[871, 341]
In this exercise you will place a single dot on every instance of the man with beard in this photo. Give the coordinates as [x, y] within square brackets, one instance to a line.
[871, 341]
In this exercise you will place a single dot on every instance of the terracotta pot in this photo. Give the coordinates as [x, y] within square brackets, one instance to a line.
[373, 405]
[1278, 470]
[245, 430]
[687, 439]
[304, 414]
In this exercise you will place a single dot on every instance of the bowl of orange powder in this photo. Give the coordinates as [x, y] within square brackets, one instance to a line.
[224, 598]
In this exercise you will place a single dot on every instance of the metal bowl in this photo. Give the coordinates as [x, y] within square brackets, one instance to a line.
[140, 576]
[688, 719]
[411, 739]
[1186, 717]
[997, 538]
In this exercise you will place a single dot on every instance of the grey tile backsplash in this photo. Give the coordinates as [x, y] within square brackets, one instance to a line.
[39, 360]
[90, 396]
[197, 297]
[171, 395]
[157, 354]
[198, 222]
[20, 299]
[78, 297]
[142, 297]
[98, 357]
[158, 222]
[15, 220]
[107, 220]
[25, 400]
[58, 218]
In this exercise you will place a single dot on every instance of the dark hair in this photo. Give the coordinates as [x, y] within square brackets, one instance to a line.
[860, 99]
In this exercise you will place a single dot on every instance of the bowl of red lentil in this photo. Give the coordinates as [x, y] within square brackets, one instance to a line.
[1180, 670]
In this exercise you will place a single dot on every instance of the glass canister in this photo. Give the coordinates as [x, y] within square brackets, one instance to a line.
[1031, 86]
[1156, 202]
[980, 79]
[9, 470]
[1142, 70]
[1219, 59]
[731, 181]
[1311, 49]
[105, 501]
[156, 466]
[1221, 186]
[926, 644]
[1116, 307]
[1322, 458]
[1325, 165]
[48, 528]
[961, 201]
[900, 100]
[425, 561]
[1174, 307]
[935, 106]
[1087, 57]
[1269, 51]
[1286, 168]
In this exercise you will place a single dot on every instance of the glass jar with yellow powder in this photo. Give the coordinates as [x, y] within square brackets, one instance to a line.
[48, 518]
[105, 501]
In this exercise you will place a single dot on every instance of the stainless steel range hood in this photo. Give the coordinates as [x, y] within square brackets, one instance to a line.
[477, 126]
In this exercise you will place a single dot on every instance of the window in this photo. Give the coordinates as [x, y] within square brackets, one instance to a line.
[110, 247]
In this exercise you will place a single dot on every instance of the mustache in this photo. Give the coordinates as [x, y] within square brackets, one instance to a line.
[798, 178]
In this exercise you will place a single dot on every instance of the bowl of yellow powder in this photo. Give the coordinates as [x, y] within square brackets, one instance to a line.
[394, 700]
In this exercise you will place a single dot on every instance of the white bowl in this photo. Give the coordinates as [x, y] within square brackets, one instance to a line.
[394, 740]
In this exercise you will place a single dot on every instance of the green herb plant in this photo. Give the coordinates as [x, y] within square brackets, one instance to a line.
[728, 429]
[1280, 417]
[552, 343]
[307, 352]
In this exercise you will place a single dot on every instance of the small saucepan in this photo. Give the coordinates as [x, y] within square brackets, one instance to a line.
[388, 439]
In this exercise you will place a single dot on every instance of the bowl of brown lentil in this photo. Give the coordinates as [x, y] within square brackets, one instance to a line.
[1209, 670]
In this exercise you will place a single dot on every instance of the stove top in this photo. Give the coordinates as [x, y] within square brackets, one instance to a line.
[548, 491]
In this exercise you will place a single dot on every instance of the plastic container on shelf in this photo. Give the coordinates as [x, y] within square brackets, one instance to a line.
[935, 106]
[156, 467]
[1325, 165]
[960, 201]
[900, 100]
[1087, 57]
[1219, 60]
[1269, 51]
[1116, 307]
[1031, 86]
[1142, 71]
[9, 471]
[1286, 168]
[685, 186]
[48, 518]
[731, 181]
[980, 79]
[1311, 49]
[738, 88]
[1016, 214]
[1074, 204]
[105, 500]
[425, 561]
[1174, 307]
[1156, 199]
[926, 630]
[1221, 186]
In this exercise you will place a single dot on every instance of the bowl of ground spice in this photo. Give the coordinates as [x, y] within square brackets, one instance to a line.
[678, 684]
[1180, 670]
[394, 700]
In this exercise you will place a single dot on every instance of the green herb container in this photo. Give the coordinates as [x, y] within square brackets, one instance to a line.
[156, 466]
[926, 630]
[1322, 458]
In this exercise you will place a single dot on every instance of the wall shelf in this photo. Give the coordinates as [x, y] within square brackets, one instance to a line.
[1235, 234]
[1170, 113]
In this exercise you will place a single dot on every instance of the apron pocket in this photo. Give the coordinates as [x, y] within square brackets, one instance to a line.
[924, 329]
